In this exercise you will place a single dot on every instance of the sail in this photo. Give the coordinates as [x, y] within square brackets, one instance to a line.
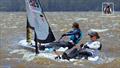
[30, 15]
[38, 21]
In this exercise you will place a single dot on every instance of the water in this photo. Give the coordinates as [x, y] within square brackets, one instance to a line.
[13, 29]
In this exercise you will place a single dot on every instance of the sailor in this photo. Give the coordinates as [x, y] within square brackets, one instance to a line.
[92, 47]
[75, 35]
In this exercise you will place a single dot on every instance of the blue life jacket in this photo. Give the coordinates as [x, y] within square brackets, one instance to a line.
[76, 40]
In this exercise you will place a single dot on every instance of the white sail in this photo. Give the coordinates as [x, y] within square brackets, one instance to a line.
[37, 20]
[30, 14]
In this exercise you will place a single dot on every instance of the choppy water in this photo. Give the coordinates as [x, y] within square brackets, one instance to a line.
[12, 30]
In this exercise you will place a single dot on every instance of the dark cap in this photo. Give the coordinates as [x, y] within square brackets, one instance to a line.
[94, 34]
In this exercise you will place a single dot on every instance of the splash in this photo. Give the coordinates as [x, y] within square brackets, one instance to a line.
[81, 19]
[99, 30]
[30, 56]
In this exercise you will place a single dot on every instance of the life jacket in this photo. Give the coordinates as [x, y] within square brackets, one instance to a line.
[76, 40]
[74, 52]
[98, 48]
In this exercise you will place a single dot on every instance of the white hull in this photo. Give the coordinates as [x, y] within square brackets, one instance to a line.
[24, 43]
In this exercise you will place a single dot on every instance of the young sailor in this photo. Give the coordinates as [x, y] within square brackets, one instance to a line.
[75, 35]
[92, 47]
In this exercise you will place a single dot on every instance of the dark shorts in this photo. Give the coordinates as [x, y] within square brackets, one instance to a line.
[85, 54]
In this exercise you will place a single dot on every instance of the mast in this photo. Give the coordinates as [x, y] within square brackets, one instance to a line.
[36, 44]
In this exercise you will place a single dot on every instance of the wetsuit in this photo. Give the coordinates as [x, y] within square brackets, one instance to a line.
[75, 35]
